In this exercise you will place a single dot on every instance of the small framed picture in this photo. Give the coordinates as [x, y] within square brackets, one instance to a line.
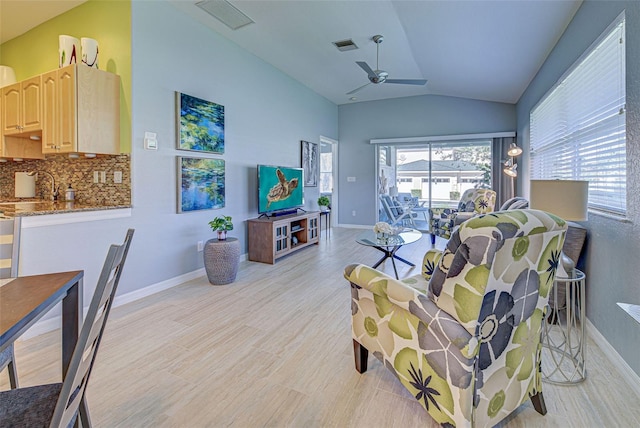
[310, 163]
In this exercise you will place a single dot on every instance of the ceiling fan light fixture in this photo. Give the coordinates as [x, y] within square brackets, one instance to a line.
[345, 45]
[379, 76]
[226, 13]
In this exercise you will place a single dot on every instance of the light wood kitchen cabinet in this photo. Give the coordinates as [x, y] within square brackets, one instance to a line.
[22, 107]
[81, 111]
[49, 111]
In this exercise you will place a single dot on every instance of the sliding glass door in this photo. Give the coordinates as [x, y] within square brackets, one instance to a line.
[436, 173]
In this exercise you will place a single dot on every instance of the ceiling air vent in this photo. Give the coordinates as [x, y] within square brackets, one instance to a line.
[345, 45]
[226, 13]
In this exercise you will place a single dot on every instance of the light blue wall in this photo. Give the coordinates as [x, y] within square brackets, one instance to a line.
[266, 115]
[612, 259]
[420, 116]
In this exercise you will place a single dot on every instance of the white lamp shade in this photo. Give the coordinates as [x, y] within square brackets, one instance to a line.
[7, 76]
[565, 198]
[514, 150]
[511, 171]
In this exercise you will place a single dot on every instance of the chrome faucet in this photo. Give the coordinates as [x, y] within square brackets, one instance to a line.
[55, 191]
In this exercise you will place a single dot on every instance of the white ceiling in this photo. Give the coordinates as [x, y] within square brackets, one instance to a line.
[486, 50]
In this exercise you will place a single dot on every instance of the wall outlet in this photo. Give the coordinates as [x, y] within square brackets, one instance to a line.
[200, 246]
[96, 176]
[117, 177]
[353, 213]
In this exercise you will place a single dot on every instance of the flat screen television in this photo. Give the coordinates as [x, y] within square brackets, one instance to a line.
[279, 188]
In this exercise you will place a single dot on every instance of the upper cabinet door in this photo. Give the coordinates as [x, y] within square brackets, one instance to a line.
[21, 107]
[50, 128]
[32, 104]
[67, 113]
[11, 101]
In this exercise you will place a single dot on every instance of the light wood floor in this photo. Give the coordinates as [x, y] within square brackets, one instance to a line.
[274, 349]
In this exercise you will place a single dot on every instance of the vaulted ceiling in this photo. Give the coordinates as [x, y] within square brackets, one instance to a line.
[486, 50]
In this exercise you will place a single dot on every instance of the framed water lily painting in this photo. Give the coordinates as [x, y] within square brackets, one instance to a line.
[200, 184]
[200, 124]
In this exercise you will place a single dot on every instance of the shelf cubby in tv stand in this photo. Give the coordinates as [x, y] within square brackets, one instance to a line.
[271, 237]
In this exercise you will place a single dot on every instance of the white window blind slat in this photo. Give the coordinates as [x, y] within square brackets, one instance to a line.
[578, 130]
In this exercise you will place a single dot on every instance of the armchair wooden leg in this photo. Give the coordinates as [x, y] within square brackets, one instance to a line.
[361, 354]
[433, 239]
[13, 375]
[538, 403]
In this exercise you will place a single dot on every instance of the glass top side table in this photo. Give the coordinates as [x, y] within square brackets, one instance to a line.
[390, 244]
[563, 332]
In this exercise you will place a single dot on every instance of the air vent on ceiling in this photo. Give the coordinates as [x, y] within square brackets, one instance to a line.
[226, 13]
[345, 45]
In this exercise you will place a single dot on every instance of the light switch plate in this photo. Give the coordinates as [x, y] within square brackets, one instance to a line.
[117, 177]
[150, 141]
[351, 179]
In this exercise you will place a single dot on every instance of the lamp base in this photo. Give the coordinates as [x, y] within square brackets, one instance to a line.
[565, 267]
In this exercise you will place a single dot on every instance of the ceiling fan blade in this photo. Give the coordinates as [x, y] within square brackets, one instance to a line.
[407, 81]
[357, 89]
[363, 65]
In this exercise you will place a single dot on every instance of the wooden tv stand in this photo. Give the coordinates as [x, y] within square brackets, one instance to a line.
[273, 237]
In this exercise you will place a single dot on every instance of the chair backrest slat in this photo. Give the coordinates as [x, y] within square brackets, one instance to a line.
[84, 354]
[9, 247]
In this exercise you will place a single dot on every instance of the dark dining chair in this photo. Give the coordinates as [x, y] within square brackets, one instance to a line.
[9, 252]
[59, 404]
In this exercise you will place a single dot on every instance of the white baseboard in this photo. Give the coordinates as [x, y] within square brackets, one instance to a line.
[355, 226]
[156, 288]
[54, 323]
[618, 362]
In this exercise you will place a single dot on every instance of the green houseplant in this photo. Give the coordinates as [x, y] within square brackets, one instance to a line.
[221, 225]
[323, 203]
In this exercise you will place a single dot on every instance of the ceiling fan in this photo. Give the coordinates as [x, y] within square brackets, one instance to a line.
[380, 76]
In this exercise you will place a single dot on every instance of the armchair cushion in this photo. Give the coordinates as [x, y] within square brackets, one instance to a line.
[468, 348]
[479, 201]
[443, 221]
[515, 203]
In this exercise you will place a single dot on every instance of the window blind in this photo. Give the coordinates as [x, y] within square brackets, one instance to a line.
[578, 129]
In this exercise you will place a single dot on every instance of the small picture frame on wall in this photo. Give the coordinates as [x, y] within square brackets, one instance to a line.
[310, 163]
[201, 184]
[200, 124]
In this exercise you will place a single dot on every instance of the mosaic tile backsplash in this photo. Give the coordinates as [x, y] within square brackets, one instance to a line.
[77, 172]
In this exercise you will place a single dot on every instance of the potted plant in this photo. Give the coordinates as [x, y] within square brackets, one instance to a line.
[221, 225]
[323, 203]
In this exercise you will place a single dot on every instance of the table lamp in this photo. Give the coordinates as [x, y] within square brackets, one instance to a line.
[566, 199]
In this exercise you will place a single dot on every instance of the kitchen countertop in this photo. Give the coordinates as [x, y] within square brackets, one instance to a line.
[36, 207]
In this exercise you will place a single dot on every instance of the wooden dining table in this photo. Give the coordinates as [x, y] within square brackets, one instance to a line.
[25, 299]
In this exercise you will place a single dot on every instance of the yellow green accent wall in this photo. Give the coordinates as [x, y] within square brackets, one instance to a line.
[107, 21]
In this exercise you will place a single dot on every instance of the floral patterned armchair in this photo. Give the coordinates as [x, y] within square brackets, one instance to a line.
[463, 337]
[442, 221]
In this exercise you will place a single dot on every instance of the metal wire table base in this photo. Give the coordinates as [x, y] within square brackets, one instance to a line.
[563, 332]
